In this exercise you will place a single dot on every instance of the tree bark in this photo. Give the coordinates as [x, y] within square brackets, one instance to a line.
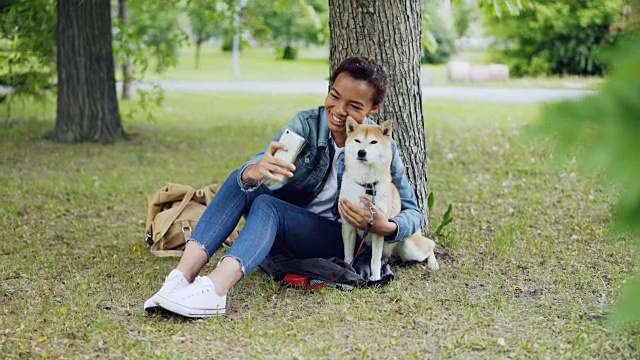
[123, 14]
[390, 32]
[87, 107]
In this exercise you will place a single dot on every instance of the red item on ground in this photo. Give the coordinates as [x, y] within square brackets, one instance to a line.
[296, 280]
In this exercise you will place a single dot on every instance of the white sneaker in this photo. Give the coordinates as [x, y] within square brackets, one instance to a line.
[198, 300]
[174, 281]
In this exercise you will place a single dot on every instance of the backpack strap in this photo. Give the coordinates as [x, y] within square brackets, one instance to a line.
[187, 197]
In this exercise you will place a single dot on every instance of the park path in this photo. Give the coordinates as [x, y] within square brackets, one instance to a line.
[460, 93]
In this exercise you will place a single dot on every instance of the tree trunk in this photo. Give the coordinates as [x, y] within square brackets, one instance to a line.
[198, 47]
[390, 32]
[123, 14]
[87, 108]
[235, 44]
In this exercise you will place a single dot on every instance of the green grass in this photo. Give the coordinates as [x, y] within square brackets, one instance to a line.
[525, 265]
[256, 64]
[261, 64]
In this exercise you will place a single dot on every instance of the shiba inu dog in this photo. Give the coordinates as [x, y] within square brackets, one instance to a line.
[367, 171]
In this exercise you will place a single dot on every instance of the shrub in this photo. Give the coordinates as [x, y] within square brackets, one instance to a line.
[554, 36]
[288, 53]
[227, 43]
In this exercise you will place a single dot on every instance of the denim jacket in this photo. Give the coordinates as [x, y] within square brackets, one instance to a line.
[313, 165]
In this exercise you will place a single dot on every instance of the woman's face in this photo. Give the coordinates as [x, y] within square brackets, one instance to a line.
[348, 97]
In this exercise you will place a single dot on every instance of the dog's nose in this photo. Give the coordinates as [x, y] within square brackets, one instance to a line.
[362, 154]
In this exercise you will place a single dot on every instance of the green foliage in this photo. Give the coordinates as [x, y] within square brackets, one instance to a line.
[446, 218]
[289, 53]
[154, 28]
[603, 131]
[439, 46]
[27, 47]
[500, 7]
[204, 19]
[28, 43]
[150, 41]
[286, 24]
[463, 15]
[545, 37]
[209, 19]
[227, 43]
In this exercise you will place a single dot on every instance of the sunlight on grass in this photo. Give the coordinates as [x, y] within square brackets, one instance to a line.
[527, 266]
[256, 64]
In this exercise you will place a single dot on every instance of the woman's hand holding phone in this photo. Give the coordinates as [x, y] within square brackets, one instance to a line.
[277, 161]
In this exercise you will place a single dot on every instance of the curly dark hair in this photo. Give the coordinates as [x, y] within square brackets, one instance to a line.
[369, 70]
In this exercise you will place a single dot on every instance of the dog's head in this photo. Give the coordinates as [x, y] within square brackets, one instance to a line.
[368, 144]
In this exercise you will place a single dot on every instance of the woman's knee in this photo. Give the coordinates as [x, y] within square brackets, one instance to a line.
[233, 177]
[265, 202]
[231, 183]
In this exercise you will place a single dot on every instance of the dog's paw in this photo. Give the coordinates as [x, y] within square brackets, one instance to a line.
[374, 278]
[432, 262]
[348, 259]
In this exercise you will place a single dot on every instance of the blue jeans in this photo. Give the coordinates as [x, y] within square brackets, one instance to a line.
[272, 226]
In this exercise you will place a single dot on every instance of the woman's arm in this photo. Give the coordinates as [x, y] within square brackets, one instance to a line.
[410, 218]
[264, 166]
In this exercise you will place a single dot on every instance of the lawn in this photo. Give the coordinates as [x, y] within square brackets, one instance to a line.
[528, 267]
[256, 64]
[261, 64]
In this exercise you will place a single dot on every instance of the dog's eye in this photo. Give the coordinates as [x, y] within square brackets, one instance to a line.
[356, 140]
[373, 142]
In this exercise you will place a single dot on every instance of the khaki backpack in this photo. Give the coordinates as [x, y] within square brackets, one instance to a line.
[173, 211]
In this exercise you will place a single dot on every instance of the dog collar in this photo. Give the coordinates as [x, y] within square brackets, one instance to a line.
[370, 189]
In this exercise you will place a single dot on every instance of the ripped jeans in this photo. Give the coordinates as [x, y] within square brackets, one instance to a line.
[272, 226]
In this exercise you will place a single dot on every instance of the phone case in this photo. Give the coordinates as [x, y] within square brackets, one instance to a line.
[294, 144]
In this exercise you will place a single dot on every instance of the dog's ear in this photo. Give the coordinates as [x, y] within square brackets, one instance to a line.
[351, 125]
[386, 128]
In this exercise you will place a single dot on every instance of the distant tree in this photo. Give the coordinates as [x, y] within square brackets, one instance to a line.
[156, 30]
[389, 31]
[204, 20]
[287, 24]
[149, 42]
[87, 106]
[123, 17]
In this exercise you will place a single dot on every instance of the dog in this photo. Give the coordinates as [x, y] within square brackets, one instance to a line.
[367, 171]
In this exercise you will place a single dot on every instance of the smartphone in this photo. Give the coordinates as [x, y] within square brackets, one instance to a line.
[294, 144]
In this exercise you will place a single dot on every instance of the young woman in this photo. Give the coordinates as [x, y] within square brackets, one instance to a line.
[295, 215]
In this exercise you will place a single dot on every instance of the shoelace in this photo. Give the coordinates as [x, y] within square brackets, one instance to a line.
[176, 285]
[203, 288]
